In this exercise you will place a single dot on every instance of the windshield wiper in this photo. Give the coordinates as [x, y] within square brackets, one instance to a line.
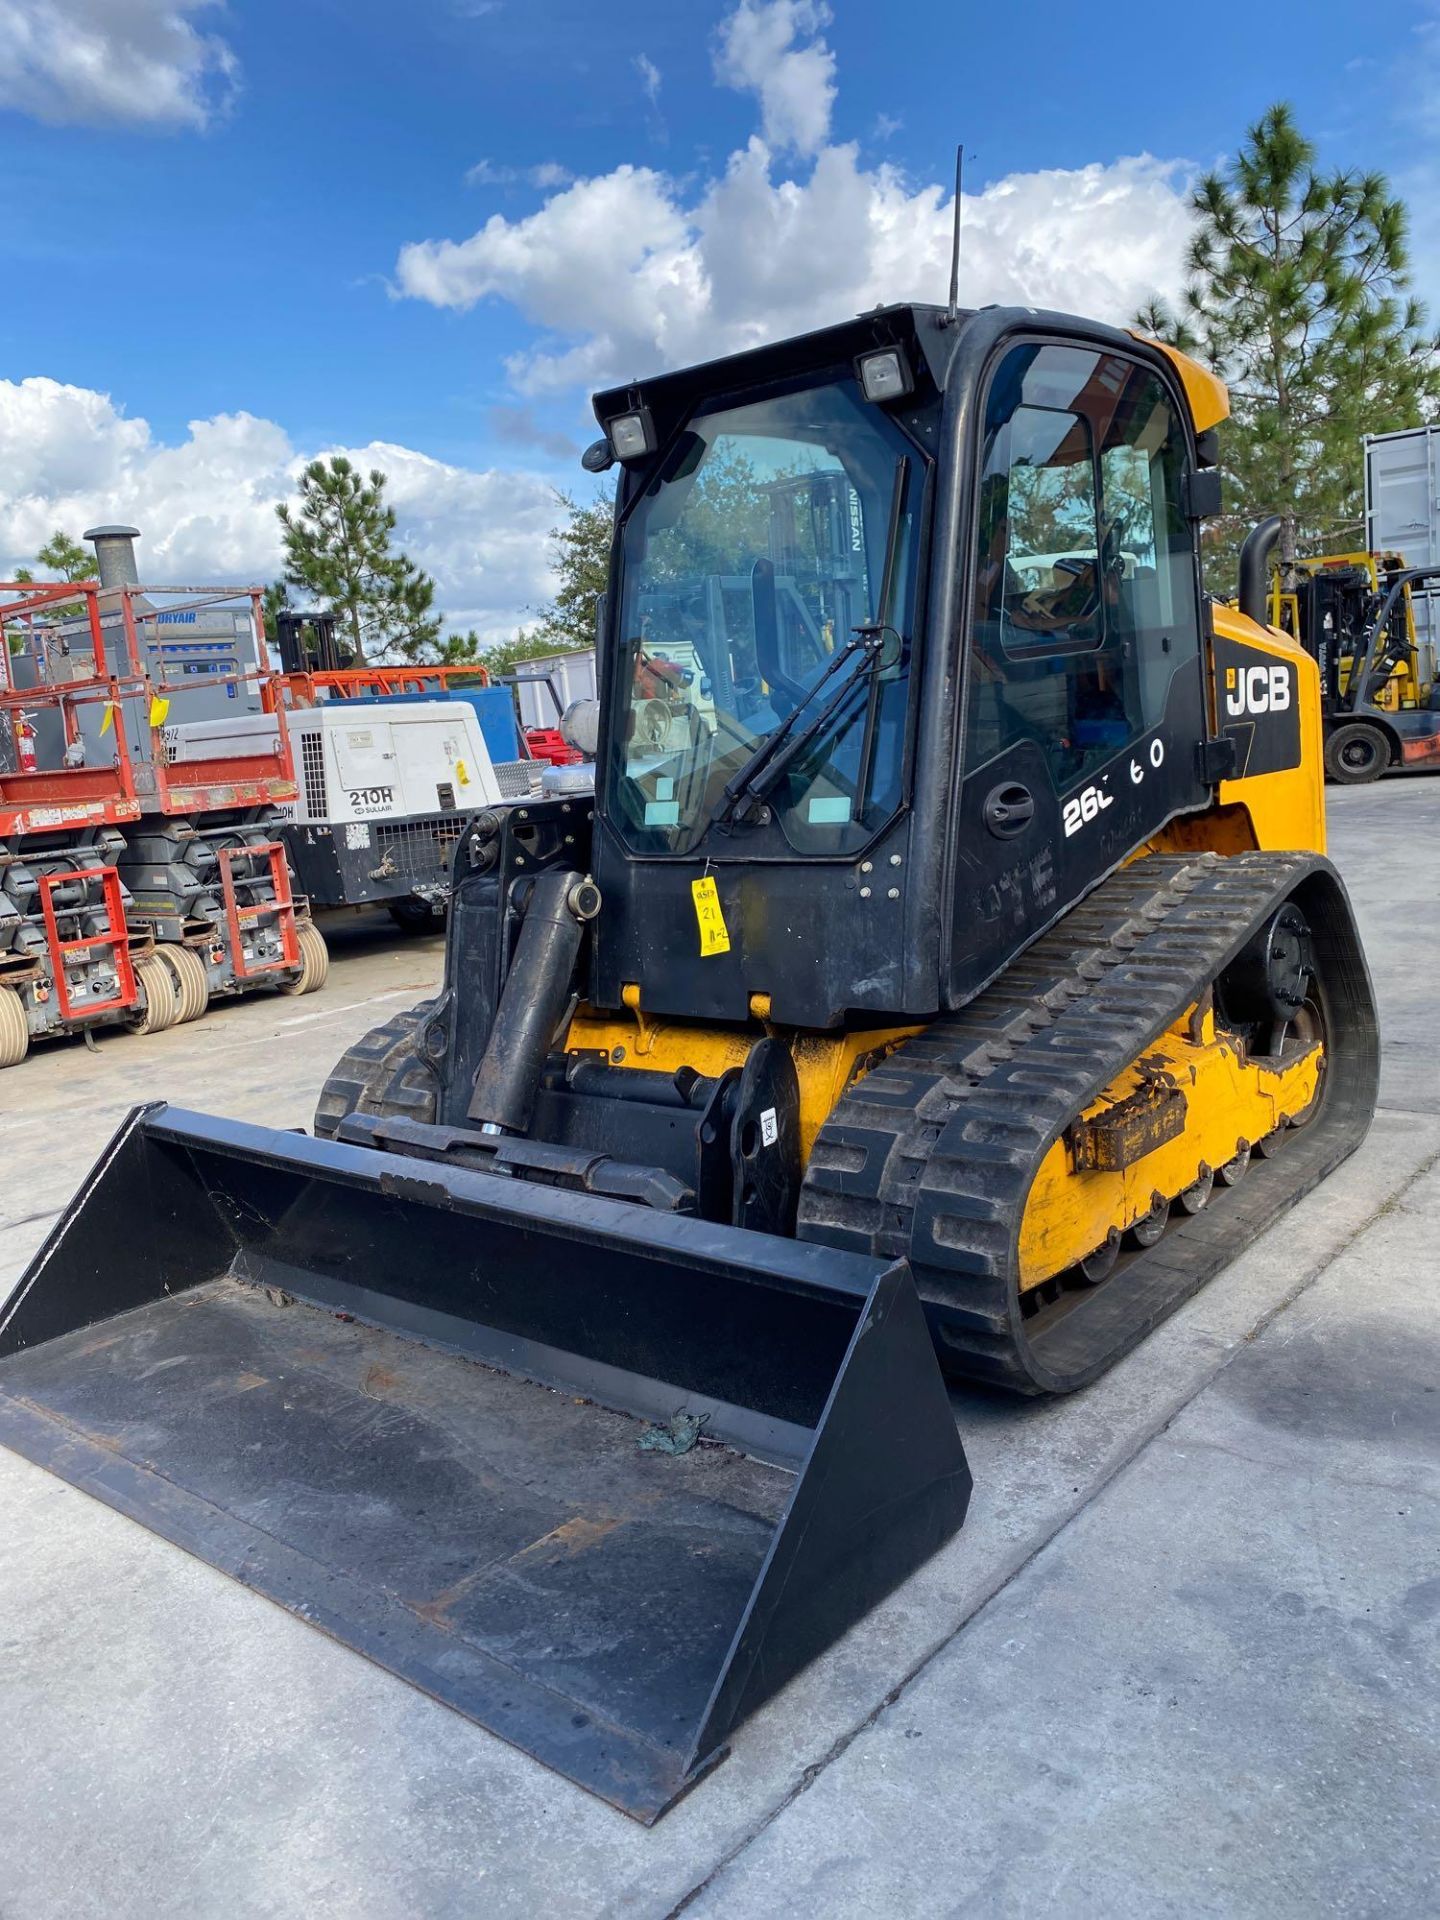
[778, 750]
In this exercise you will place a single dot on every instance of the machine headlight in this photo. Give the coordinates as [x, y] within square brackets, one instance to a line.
[886, 375]
[632, 434]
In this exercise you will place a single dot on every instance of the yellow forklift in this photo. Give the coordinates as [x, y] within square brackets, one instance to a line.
[1354, 614]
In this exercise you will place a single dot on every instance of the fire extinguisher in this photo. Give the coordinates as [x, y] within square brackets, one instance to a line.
[25, 743]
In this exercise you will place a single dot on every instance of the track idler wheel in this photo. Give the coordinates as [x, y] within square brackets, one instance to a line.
[1097, 1266]
[1266, 985]
[1231, 1172]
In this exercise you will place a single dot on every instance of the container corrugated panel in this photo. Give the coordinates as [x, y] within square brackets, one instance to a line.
[1402, 508]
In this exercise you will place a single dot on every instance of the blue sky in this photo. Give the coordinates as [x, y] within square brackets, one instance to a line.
[427, 229]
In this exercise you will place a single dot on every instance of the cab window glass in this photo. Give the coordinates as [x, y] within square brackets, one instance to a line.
[1085, 603]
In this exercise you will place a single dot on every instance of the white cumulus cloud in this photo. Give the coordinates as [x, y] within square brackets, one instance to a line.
[142, 63]
[631, 270]
[795, 85]
[206, 506]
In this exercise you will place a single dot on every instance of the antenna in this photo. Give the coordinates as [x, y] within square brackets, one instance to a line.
[952, 312]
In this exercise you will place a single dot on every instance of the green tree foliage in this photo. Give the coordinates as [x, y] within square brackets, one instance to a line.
[61, 558]
[504, 656]
[580, 553]
[65, 559]
[338, 550]
[276, 602]
[1298, 297]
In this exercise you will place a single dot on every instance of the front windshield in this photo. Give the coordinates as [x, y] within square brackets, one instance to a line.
[759, 546]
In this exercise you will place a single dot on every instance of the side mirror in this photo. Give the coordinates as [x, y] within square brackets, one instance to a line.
[1200, 493]
[598, 457]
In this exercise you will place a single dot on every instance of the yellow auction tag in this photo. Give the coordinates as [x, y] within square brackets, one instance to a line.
[462, 773]
[714, 934]
[109, 720]
[158, 710]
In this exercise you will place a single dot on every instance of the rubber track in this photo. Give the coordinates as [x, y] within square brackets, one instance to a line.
[382, 1073]
[931, 1155]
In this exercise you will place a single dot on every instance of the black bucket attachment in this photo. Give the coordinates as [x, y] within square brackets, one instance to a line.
[601, 1478]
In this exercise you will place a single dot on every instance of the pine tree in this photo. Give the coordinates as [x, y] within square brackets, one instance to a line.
[1297, 297]
[66, 559]
[60, 558]
[337, 549]
[276, 602]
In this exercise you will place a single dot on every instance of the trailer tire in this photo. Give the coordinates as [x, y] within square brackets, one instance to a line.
[314, 961]
[191, 980]
[1356, 753]
[383, 1073]
[14, 1028]
[159, 1006]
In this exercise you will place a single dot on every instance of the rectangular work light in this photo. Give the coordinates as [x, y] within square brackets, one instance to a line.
[632, 434]
[885, 375]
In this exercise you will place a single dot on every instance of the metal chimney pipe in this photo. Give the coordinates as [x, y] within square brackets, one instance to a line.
[115, 552]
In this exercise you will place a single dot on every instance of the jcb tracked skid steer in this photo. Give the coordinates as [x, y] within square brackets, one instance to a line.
[952, 967]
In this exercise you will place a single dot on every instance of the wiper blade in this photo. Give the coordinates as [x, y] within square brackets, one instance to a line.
[744, 782]
[778, 750]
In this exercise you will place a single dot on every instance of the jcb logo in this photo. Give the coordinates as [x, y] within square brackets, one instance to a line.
[1257, 690]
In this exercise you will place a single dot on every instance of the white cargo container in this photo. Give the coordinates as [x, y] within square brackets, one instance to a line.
[1402, 510]
[572, 677]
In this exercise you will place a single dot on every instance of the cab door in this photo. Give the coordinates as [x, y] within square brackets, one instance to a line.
[1085, 702]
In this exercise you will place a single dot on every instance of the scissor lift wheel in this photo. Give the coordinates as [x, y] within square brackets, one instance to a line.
[14, 1028]
[159, 996]
[192, 983]
[314, 960]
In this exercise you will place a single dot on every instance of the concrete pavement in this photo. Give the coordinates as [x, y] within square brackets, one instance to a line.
[1181, 1658]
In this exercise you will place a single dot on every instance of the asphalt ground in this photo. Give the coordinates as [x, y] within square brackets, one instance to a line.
[1182, 1659]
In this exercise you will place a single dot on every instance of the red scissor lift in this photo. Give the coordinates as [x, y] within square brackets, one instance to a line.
[97, 792]
[68, 959]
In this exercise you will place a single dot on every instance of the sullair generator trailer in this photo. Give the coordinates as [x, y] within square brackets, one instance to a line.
[385, 792]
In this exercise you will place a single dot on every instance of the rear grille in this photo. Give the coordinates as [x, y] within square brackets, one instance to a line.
[418, 849]
[312, 774]
[519, 779]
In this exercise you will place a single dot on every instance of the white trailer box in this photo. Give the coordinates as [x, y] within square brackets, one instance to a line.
[573, 676]
[367, 760]
[386, 790]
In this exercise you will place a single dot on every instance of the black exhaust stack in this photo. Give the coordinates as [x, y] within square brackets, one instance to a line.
[1255, 569]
